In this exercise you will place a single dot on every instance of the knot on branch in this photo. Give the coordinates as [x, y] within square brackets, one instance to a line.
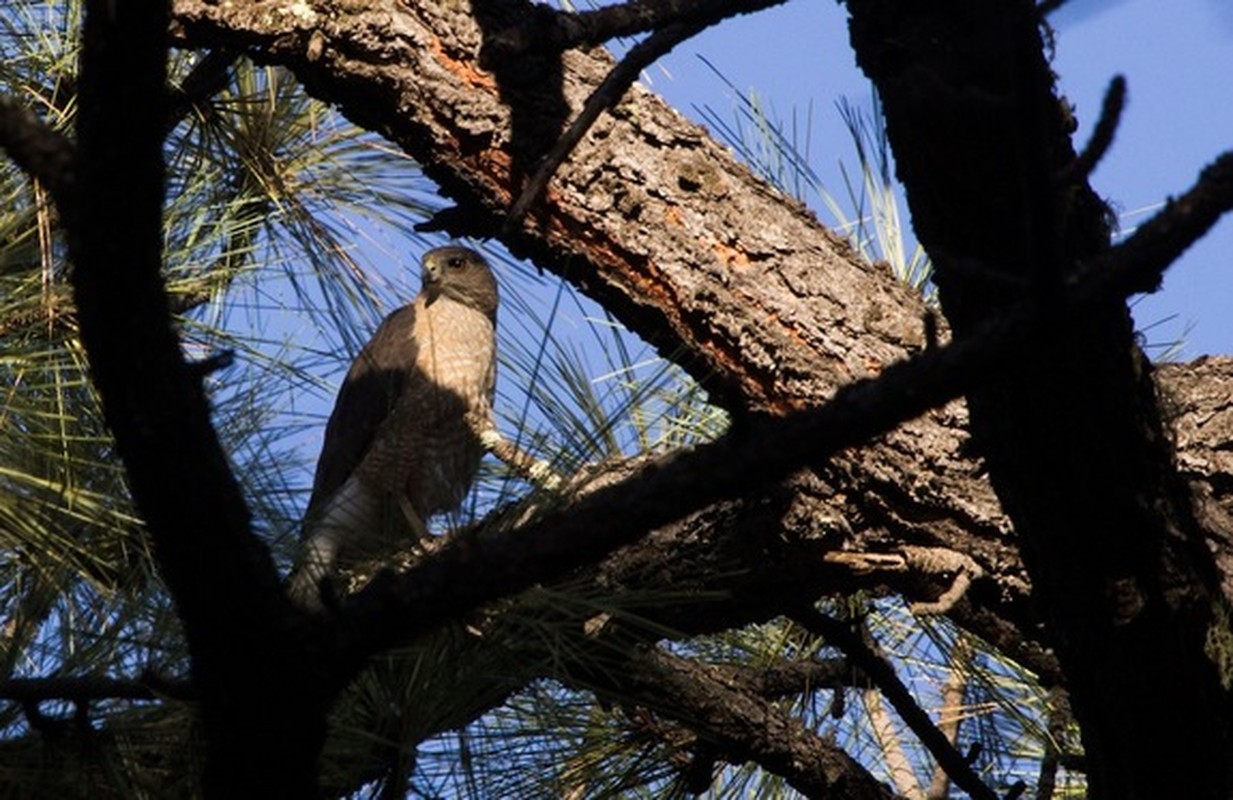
[957, 569]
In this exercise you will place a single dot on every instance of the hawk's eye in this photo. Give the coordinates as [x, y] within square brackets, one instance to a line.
[456, 262]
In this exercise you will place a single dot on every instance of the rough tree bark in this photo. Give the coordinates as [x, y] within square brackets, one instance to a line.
[723, 274]
[664, 227]
[772, 313]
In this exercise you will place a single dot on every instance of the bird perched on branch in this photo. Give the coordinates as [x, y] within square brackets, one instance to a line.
[404, 439]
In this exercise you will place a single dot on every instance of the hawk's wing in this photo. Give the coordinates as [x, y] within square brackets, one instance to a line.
[373, 384]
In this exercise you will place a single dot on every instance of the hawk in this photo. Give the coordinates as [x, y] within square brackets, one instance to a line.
[404, 439]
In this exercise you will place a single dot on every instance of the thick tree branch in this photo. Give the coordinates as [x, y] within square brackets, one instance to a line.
[759, 453]
[247, 654]
[742, 725]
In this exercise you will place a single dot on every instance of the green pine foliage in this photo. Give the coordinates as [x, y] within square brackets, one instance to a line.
[288, 235]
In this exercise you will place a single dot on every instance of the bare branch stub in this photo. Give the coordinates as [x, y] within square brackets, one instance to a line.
[953, 567]
[1137, 265]
[1102, 137]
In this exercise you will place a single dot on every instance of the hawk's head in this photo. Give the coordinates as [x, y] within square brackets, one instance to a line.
[462, 275]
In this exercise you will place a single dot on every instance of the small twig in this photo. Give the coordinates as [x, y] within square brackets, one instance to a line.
[1102, 136]
[932, 562]
[1137, 265]
[883, 676]
[606, 95]
[940, 562]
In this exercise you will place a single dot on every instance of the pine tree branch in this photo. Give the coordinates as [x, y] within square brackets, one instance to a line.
[740, 724]
[765, 451]
[883, 675]
[254, 666]
[1102, 136]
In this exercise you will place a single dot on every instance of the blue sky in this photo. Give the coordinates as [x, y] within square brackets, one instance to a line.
[797, 58]
[1177, 57]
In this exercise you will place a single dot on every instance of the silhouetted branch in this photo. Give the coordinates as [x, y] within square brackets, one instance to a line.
[88, 688]
[738, 724]
[252, 659]
[36, 148]
[561, 30]
[1138, 264]
[883, 676]
[1102, 135]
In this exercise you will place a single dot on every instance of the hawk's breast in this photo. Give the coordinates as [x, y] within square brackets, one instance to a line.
[428, 447]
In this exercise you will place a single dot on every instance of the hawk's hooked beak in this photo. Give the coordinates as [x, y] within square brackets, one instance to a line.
[431, 279]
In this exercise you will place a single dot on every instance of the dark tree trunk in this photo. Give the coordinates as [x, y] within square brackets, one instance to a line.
[1072, 433]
